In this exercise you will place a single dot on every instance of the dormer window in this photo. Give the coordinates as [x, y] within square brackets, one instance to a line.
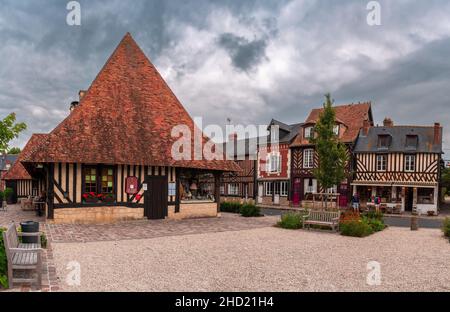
[309, 131]
[336, 130]
[384, 141]
[412, 141]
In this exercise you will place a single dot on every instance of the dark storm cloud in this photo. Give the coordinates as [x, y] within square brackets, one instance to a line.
[244, 53]
[248, 60]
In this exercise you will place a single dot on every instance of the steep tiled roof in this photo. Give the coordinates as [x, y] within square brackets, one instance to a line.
[17, 171]
[6, 160]
[425, 140]
[352, 116]
[126, 117]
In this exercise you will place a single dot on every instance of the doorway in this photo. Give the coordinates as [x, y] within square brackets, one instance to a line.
[156, 197]
[409, 198]
[296, 192]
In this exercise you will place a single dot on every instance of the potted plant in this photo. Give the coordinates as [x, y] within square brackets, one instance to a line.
[90, 197]
[108, 198]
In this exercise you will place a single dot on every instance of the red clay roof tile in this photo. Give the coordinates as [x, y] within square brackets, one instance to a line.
[18, 171]
[126, 117]
[352, 116]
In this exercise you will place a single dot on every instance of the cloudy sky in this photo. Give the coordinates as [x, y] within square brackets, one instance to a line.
[249, 60]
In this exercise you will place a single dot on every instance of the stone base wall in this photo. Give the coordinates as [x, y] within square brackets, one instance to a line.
[267, 200]
[96, 215]
[237, 199]
[191, 211]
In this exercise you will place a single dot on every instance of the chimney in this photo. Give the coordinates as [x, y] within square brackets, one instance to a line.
[81, 94]
[232, 137]
[73, 105]
[437, 134]
[366, 127]
[388, 123]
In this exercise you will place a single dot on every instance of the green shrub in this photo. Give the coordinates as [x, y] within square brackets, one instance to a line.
[233, 207]
[3, 262]
[356, 228]
[374, 215]
[291, 221]
[446, 227]
[7, 193]
[250, 210]
[43, 240]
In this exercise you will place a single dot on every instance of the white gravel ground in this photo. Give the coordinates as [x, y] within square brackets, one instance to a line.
[265, 259]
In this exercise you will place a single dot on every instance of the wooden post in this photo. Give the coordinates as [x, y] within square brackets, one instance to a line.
[217, 177]
[177, 190]
[50, 191]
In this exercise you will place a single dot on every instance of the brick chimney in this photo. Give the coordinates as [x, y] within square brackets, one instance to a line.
[437, 134]
[81, 94]
[366, 127]
[388, 123]
[232, 137]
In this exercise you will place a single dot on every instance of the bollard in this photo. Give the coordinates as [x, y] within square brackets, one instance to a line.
[414, 223]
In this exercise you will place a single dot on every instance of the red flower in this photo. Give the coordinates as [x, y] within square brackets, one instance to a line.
[92, 194]
[138, 197]
[85, 196]
[99, 195]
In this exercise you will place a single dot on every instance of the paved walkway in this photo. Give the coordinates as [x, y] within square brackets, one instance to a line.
[49, 279]
[71, 233]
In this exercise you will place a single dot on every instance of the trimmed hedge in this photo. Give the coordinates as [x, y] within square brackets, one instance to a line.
[250, 210]
[233, 207]
[291, 221]
[246, 210]
[356, 228]
[446, 227]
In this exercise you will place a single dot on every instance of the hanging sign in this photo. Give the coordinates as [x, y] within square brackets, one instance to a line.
[131, 185]
[144, 187]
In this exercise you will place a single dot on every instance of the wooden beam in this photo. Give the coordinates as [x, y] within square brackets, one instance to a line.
[50, 192]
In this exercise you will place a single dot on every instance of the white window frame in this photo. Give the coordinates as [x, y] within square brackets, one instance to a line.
[336, 129]
[268, 188]
[274, 163]
[382, 163]
[309, 132]
[222, 189]
[233, 189]
[308, 158]
[410, 163]
[284, 190]
[332, 190]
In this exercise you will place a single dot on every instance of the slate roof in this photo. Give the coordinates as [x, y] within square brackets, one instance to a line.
[287, 132]
[126, 117]
[426, 144]
[7, 159]
[18, 171]
[352, 116]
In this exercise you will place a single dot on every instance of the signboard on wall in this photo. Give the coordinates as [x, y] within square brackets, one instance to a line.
[447, 163]
[131, 185]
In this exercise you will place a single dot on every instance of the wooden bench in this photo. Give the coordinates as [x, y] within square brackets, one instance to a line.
[22, 256]
[322, 218]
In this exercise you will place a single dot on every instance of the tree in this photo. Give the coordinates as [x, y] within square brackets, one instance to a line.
[445, 180]
[14, 151]
[332, 153]
[9, 130]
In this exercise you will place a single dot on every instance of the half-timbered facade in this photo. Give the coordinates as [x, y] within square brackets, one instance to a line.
[274, 164]
[240, 185]
[126, 151]
[400, 165]
[19, 179]
[304, 159]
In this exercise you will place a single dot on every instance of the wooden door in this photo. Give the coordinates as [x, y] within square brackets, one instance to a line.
[296, 192]
[156, 197]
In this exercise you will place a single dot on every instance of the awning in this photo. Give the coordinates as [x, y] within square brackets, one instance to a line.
[397, 183]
